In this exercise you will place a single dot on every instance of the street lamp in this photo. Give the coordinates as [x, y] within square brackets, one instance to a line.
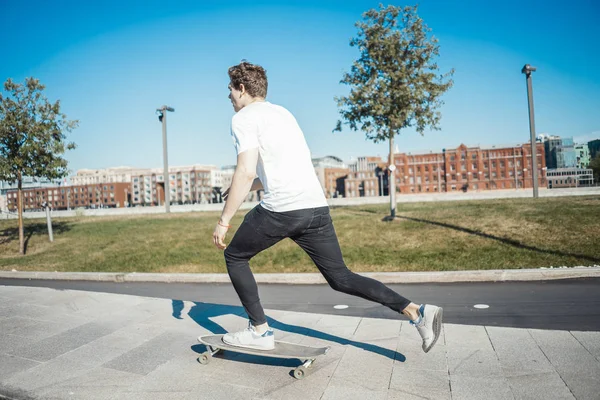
[527, 70]
[162, 117]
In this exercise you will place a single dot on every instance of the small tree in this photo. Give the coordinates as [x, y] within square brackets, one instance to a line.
[595, 167]
[32, 138]
[395, 83]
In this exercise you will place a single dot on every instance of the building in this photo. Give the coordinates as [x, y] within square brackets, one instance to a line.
[464, 168]
[29, 182]
[367, 164]
[108, 175]
[582, 154]
[3, 203]
[368, 177]
[362, 184]
[569, 177]
[329, 177]
[469, 168]
[566, 157]
[187, 185]
[69, 197]
[328, 162]
[329, 169]
[551, 144]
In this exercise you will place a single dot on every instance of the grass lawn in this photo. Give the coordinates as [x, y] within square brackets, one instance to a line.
[437, 236]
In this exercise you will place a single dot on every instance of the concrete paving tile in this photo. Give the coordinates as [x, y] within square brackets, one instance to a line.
[573, 362]
[47, 374]
[467, 336]
[365, 369]
[97, 384]
[10, 365]
[518, 353]
[9, 342]
[407, 383]
[589, 340]
[473, 362]
[339, 390]
[476, 388]
[547, 386]
[146, 357]
[53, 346]
[311, 387]
[179, 374]
[413, 357]
[17, 326]
[375, 328]
[157, 396]
[24, 311]
[220, 390]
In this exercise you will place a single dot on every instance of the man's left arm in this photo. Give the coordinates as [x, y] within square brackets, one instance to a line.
[243, 177]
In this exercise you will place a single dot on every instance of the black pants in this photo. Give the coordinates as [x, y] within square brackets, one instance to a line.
[312, 229]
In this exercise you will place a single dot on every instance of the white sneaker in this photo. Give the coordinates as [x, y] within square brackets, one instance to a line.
[429, 325]
[249, 338]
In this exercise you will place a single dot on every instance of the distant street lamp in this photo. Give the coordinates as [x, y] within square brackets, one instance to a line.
[162, 117]
[527, 70]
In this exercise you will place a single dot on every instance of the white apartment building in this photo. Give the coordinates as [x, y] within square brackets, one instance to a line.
[108, 175]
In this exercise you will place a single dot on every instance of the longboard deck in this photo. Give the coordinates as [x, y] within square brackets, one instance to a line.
[281, 350]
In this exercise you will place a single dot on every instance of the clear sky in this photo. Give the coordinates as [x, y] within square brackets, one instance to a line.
[112, 63]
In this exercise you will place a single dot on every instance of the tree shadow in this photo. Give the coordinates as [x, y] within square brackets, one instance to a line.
[510, 242]
[12, 234]
[202, 313]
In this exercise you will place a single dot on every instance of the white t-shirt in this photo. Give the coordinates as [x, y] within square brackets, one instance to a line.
[284, 163]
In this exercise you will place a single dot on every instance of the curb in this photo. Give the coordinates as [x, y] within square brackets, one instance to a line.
[538, 274]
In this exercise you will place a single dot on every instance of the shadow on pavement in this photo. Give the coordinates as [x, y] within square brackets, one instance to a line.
[202, 313]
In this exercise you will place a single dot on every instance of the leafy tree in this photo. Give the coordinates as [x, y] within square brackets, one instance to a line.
[395, 83]
[32, 138]
[595, 166]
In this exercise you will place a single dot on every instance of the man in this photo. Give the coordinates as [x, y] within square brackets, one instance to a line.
[270, 144]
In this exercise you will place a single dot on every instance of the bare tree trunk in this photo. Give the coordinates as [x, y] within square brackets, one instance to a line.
[20, 211]
[392, 179]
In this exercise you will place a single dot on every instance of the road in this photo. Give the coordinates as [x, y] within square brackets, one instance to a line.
[561, 305]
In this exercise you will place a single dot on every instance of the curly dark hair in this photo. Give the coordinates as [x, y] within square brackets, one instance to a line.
[253, 77]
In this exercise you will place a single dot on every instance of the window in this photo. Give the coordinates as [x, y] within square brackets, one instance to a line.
[464, 177]
[474, 166]
[493, 174]
[502, 164]
[452, 167]
[473, 156]
[493, 164]
[452, 157]
[453, 177]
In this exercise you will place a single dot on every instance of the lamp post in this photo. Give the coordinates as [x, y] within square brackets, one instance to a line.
[527, 70]
[162, 117]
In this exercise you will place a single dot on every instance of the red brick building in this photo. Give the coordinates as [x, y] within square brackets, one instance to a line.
[64, 197]
[469, 168]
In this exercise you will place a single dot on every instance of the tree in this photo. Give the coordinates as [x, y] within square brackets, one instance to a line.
[32, 138]
[395, 82]
[595, 167]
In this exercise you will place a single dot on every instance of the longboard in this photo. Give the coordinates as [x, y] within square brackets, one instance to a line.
[306, 354]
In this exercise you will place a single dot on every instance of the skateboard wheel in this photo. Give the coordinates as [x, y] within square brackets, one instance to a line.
[300, 372]
[205, 358]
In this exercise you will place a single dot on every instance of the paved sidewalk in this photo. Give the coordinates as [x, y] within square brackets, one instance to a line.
[64, 344]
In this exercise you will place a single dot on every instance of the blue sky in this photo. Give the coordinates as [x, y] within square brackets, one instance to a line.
[113, 63]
